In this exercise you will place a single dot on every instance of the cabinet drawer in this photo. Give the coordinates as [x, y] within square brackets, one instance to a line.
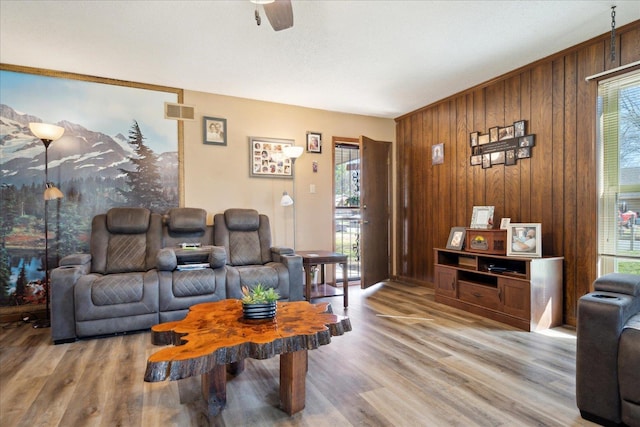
[484, 296]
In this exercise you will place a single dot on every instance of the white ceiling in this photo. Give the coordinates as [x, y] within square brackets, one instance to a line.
[377, 58]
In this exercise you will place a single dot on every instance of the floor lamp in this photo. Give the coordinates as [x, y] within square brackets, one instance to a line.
[47, 134]
[292, 152]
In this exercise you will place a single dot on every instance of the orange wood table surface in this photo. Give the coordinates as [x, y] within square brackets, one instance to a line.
[214, 335]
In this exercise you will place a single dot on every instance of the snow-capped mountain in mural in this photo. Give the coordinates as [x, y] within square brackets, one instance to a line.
[80, 153]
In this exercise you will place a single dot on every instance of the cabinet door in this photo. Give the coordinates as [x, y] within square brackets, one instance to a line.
[516, 297]
[445, 281]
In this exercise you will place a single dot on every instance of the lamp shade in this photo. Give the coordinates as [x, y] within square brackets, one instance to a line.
[286, 199]
[52, 192]
[293, 151]
[46, 131]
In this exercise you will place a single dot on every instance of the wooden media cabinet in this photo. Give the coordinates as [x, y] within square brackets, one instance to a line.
[522, 292]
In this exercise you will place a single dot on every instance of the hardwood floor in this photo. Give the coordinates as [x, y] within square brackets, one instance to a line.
[408, 362]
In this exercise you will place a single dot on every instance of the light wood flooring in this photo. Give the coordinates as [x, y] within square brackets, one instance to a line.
[408, 362]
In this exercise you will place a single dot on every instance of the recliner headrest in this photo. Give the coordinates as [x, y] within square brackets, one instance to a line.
[128, 220]
[242, 219]
[186, 220]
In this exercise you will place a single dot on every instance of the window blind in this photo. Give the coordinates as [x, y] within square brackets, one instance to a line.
[618, 145]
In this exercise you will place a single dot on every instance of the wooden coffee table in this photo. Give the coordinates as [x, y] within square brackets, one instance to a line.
[321, 258]
[214, 338]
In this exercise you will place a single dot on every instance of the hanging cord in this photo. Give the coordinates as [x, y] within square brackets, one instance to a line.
[613, 33]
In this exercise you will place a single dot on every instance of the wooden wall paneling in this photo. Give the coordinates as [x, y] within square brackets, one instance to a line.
[557, 186]
[446, 196]
[557, 166]
[542, 153]
[463, 153]
[479, 124]
[628, 49]
[471, 171]
[494, 176]
[570, 186]
[512, 113]
[525, 164]
[418, 203]
[428, 226]
[590, 61]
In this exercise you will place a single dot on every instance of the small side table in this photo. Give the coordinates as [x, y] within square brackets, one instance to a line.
[321, 258]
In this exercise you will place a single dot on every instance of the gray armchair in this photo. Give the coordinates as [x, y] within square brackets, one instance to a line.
[246, 236]
[608, 351]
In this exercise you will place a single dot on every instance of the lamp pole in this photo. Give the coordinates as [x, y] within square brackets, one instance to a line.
[47, 134]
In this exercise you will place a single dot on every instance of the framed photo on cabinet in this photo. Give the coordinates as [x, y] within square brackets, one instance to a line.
[524, 240]
[482, 217]
[456, 238]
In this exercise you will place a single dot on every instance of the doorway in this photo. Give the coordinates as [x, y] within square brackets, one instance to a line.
[347, 214]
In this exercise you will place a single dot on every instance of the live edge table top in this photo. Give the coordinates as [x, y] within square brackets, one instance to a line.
[215, 333]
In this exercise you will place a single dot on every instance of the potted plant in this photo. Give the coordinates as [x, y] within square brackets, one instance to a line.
[259, 302]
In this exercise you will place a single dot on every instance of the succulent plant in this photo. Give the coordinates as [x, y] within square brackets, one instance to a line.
[259, 295]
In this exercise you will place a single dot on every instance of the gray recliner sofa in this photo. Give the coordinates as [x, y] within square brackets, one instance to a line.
[135, 277]
[608, 351]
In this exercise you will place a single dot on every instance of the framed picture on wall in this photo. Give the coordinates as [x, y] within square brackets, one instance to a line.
[505, 133]
[473, 139]
[314, 142]
[483, 139]
[493, 134]
[267, 159]
[510, 157]
[527, 141]
[214, 130]
[524, 240]
[519, 128]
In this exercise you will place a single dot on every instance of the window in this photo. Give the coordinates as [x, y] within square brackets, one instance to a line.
[619, 174]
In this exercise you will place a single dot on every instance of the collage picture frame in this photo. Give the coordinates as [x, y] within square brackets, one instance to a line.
[267, 159]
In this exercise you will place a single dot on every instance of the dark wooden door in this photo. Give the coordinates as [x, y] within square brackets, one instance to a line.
[375, 201]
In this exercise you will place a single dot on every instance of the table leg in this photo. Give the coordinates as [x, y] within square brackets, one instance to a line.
[307, 282]
[214, 389]
[345, 284]
[293, 373]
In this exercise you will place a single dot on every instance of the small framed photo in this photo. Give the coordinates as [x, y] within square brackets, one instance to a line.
[519, 128]
[476, 160]
[486, 161]
[473, 139]
[483, 139]
[456, 238]
[523, 153]
[524, 240]
[497, 158]
[505, 133]
[437, 154]
[214, 130]
[493, 134]
[504, 223]
[482, 218]
[510, 157]
[314, 142]
[527, 141]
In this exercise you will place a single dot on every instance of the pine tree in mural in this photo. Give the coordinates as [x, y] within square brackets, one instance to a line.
[144, 182]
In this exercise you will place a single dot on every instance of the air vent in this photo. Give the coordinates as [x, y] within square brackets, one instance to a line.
[179, 111]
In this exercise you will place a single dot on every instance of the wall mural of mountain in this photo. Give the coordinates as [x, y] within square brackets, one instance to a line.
[90, 165]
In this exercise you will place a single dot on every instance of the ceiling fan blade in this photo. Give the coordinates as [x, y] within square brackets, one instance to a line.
[280, 14]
